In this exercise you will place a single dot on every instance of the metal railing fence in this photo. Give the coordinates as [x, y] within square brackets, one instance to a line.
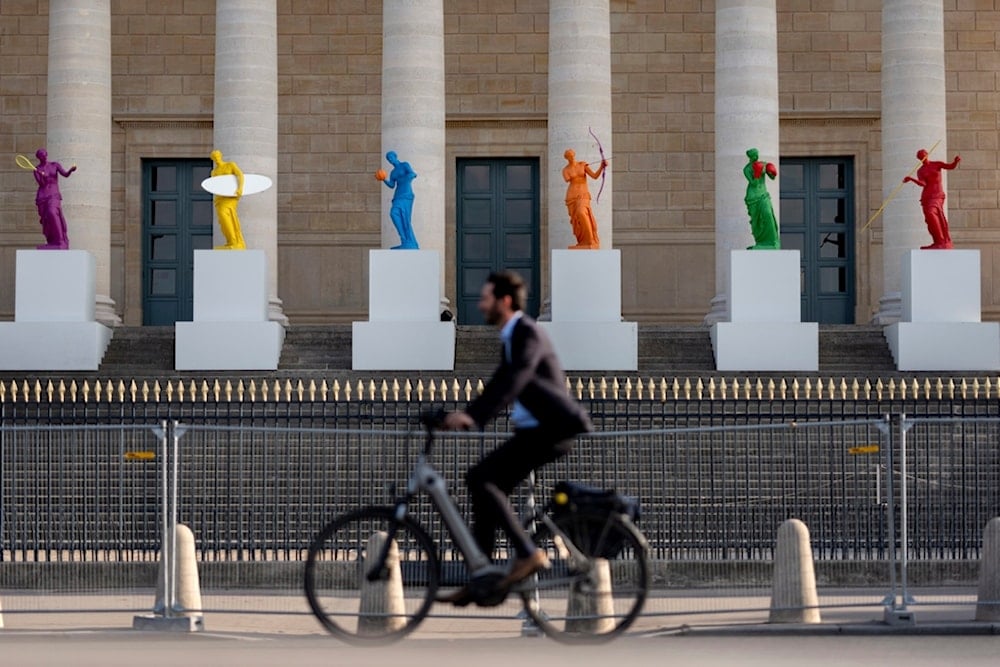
[82, 486]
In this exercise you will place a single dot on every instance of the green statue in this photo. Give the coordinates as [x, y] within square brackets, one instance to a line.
[763, 224]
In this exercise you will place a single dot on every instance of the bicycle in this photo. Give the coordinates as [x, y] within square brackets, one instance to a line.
[372, 575]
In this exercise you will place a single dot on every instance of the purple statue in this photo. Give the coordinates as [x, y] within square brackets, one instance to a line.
[49, 201]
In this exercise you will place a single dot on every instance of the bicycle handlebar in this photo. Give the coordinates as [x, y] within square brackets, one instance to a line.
[431, 420]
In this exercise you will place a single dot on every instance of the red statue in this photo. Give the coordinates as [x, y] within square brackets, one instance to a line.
[932, 198]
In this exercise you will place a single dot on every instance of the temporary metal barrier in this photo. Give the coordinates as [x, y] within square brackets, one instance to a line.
[85, 509]
[953, 463]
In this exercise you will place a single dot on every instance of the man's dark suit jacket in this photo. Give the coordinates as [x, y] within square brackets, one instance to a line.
[535, 377]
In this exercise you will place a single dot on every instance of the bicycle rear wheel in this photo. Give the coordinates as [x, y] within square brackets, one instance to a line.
[598, 599]
[357, 603]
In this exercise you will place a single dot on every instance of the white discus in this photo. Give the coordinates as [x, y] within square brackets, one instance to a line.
[225, 186]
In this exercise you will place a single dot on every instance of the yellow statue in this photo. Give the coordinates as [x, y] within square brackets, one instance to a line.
[581, 216]
[225, 207]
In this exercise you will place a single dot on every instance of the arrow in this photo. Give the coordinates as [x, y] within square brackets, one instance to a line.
[895, 192]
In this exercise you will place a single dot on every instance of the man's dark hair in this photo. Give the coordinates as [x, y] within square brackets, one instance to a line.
[509, 283]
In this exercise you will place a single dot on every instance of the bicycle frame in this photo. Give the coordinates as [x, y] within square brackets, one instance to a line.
[426, 479]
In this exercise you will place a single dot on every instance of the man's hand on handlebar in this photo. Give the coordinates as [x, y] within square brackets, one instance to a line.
[458, 421]
[447, 421]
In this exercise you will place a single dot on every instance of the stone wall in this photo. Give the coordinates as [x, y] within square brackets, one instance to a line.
[496, 62]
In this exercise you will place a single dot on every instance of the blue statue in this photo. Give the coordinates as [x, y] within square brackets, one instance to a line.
[400, 178]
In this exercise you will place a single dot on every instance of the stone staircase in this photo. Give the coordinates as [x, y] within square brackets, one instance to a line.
[675, 350]
[325, 352]
[316, 348]
[139, 351]
[855, 350]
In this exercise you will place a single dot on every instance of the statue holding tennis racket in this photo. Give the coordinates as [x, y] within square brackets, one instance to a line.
[48, 199]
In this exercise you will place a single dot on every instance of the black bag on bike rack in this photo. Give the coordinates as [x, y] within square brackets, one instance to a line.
[571, 501]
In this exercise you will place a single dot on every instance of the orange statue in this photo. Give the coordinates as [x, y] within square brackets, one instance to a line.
[581, 216]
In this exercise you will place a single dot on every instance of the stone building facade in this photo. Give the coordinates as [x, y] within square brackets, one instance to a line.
[660, 198]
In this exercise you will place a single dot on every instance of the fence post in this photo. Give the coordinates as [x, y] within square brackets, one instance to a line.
[988, 605]
[895, 612]
[164, 608]
[885, 427]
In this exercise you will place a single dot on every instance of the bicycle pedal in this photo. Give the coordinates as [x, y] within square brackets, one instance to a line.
[492, 598]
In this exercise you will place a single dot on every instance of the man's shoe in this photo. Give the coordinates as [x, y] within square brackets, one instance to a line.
[525, 567]
[462, 597]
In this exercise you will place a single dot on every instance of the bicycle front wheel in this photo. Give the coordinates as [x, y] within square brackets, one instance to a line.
[597, 598]
[370, 577]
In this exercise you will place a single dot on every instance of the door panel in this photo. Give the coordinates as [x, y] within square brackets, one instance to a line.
[817, 219]
[177, 220]
[497, 228]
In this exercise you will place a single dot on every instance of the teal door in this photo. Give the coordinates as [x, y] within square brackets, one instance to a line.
[497, 228]
[176, 221]
[817, 219]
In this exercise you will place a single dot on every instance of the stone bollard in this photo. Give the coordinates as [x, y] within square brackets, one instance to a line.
[383, 607]
[988, 607]
[592, 612]
[186, 614]
[188, 589]
[793, 587]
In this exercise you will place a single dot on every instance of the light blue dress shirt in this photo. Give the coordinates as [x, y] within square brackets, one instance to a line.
[519, 416]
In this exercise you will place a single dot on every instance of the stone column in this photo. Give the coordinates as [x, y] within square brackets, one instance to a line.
[78, 130]
[913, 117]
[413, 109]
[246, 119]
[746, 116]
[579, 101]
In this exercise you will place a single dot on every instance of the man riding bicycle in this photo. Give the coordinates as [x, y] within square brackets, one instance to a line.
[544, 416]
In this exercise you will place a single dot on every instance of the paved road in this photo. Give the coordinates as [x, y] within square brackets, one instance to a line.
[127, 649]
[944, 634]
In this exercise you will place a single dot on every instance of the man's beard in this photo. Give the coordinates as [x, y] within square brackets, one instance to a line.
[492, 315]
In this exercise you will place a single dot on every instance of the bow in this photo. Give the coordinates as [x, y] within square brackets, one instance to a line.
[604, 173]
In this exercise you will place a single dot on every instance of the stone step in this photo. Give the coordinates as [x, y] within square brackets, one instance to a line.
[148, 349]
[675, 349]
[316, 351]
[854, 348]
[316, 348]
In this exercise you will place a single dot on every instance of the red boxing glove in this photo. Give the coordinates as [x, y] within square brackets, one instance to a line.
[772, 171]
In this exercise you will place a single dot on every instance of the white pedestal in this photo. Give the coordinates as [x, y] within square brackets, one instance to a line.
[54, 327]
[230, 330]
[53, 346]
[765, 332]
[945, 346]
[766, 346]
[941, 329]
[230, 286]
[940, 286]
[404, 331]
[55, 286]
[586, 327]
[764, 286]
